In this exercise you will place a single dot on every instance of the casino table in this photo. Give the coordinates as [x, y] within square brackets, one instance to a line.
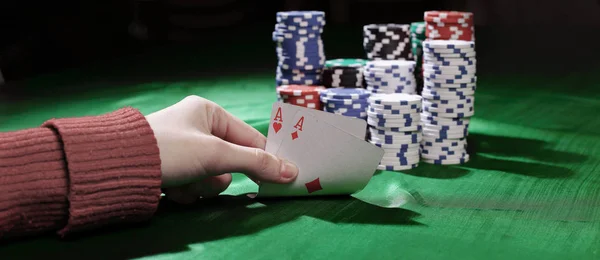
[530, 191]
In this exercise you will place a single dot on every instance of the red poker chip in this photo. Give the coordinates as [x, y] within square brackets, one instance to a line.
[314, 105]
[449, 33]
[448, 16]
[298, 90]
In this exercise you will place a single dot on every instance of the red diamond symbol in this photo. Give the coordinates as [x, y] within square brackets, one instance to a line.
[313, 186]
[294, 135]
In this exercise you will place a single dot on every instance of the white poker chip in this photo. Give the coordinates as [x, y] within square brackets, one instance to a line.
[449, 72]
[441, 150]
[397, 124]
[396, 167]
[397, 137]
[446, 85]
[447, 162]
[398, 99]
[394, 111]
[466, 54]
[396, 146]
[448, 51]
[453, 115]
[430, 127]
[468, 102]
[457, 156]
[452, 81]
[450, 62]
[431, 96]
[400, 162]
[466, 92]
[398, 120]
[431, 141]
[449, 136]
[448, 44]
[428, 74]
[410, 128]
[436, 122]
[448, 110]
[409, 114]
[395, 153]
[468, 68]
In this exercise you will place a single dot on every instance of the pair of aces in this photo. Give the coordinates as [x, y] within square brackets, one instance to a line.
[330, 151]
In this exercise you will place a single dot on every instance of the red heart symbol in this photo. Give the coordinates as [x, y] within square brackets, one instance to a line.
[276, 126]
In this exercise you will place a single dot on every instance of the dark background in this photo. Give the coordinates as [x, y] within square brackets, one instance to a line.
[47, 36]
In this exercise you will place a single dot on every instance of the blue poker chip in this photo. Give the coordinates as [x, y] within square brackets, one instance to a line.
[345, 93]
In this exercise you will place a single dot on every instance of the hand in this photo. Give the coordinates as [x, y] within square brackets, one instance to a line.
[200, 144]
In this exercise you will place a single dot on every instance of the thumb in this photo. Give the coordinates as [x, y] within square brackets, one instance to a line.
[254, 162]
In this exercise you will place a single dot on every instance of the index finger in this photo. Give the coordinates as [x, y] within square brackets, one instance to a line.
[232, 129]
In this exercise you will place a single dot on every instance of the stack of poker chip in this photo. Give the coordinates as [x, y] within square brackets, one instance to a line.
[350, 102]
[390, 76]
[449, 25]
[387, 42]
[417, 36]
[394, 125]
[448, 100]
[300, 51]
[300, 95]
[343, 73]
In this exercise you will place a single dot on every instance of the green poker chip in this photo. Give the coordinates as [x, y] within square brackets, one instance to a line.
[352, 63]
[417, 30]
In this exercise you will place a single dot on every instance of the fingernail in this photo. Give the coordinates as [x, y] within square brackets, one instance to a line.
[288, 170]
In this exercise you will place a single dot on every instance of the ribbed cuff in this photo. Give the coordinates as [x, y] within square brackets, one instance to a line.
[33, 183]
[113, 169]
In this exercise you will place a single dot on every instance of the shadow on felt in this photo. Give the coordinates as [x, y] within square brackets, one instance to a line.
[534, 150]
[175, 227]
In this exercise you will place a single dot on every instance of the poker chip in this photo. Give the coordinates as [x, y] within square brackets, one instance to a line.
[299, 47]
[450, 82]
[343, 73]
[417, 36]
[387, 42]
[390, 76]
[300, 95]
[449, 25]
[394, 125]
[350, 102]
[397, 167]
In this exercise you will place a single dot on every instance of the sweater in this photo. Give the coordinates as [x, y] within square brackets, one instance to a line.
[76, 174]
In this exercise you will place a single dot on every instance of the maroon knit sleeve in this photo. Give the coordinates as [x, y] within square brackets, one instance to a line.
[33, 183]
[113, 167]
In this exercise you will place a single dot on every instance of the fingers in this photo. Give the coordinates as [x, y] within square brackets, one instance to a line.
[232, 129]
[207, 188]
[255, 163]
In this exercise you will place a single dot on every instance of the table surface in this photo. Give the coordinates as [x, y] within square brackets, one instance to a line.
[530, 191]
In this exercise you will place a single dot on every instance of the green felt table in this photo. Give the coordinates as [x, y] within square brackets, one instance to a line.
[530, 191]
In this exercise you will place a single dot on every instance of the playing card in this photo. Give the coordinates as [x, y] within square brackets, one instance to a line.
[330, 161]
[282, 113]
